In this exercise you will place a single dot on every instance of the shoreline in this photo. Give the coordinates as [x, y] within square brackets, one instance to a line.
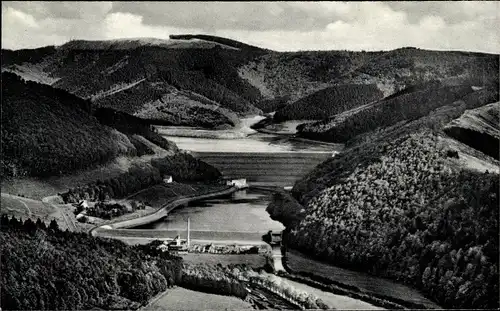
[241, 131]
[161, 211]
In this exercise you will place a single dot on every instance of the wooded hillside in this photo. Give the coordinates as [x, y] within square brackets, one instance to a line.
[46, 131]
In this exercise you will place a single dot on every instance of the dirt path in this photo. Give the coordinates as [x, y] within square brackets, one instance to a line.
[19, 199]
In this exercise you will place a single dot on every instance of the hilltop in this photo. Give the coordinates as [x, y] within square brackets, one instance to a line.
[218, 78]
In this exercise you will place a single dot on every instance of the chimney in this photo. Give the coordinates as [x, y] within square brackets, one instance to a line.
[188, 235]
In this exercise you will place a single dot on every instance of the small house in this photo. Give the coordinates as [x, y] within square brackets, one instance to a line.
[83, 204]
[167, 179]
[163, 247]
[274, 238]
[238, 183]
[81, 217]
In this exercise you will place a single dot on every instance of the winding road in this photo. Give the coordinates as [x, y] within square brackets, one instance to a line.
[160, 213]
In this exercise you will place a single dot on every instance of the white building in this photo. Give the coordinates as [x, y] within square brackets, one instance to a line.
[167, 179]
[81, 217]
[238, 183]
[84, 204]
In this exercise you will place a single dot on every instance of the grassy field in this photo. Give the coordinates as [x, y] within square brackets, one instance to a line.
[159, 195]
[332, 300]
[300, 263]
[184, 299]
[24, 208]
[37, 188]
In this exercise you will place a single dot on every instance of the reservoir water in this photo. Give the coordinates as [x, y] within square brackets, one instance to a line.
[257, 142]
[245, 211]
[262, 159]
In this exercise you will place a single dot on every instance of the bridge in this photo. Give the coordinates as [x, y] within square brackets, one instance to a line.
[279, 169]
[275, 258]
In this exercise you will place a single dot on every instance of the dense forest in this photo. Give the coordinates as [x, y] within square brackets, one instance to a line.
[401, 209]
[46, 131]
[131, 125]
[329, 101]
[183, 167]
[185, 108]
[45, 268]
[406, 107]
[109, 210]
[213, 279]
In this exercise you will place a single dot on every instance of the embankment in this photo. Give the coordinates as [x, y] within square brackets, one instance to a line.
[161, 212]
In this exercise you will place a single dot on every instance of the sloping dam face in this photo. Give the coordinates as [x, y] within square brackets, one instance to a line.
[264, 169]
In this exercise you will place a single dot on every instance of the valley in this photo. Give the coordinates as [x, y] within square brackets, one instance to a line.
[381, 166]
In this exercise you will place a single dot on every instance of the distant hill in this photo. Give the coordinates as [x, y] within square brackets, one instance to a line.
[48, 131]
[329, 101]
[130, 74]
[407, 105]
[207, 72]
[297, 74]
[220, 40]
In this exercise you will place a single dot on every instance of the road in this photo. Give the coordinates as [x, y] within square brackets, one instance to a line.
[47, 201]
[162, 211]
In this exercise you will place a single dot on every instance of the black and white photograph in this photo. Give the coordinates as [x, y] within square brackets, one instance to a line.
[259, 155]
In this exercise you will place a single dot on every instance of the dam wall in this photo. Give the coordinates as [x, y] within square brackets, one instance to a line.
[267, 169]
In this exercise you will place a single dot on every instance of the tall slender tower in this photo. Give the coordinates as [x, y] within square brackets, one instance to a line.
[188, 233]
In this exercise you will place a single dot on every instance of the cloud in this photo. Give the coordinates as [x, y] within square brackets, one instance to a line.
[62, 9]
[276, 25]
[256, 16]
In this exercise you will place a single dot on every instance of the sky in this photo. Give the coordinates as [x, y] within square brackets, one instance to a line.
[281, 26]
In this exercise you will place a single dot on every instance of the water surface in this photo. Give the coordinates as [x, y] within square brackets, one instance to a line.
[245, 211]
[259, 142]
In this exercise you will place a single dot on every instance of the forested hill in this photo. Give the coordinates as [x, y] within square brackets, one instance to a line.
[407, 105]
[406, 201]
[44, 268]
[47, 131]
[217, 77]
